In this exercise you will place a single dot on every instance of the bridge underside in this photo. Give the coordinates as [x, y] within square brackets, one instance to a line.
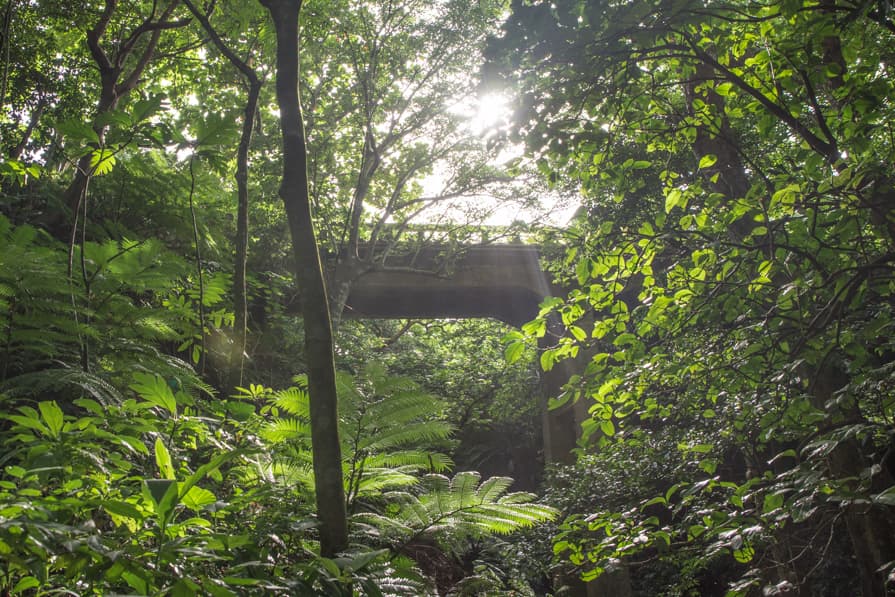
[503, 282]
[500, 281]
[511, 304]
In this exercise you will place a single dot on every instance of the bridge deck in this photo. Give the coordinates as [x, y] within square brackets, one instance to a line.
[505, 282]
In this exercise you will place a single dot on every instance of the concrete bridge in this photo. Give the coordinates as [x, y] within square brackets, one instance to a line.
[503, 282]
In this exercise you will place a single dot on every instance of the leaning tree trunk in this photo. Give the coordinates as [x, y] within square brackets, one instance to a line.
[315, 307]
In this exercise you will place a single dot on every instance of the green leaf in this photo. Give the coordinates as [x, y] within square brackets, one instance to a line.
[582, 271]
[887, 497]
[578, 333]
[656, 500]
[163, 459]
[744, 555]
[707, 161]
[156, 390]
[208, 468]
[724, 89]
[197, 498]
[772, 501]
[52, 415]
[156, 488]
[184, 588]
[25, 583]
[136, 582]
[102, 161]
[514, 351]
[144, 108]
[120, 508]
[548, 359]
[672, 199]
[164, 494]
[240, 581]
[30, 423]
[78, 131]
[608, 428]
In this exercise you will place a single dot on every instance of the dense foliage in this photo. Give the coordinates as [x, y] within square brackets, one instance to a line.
[147, 307]
[727, 315]
[732, 284]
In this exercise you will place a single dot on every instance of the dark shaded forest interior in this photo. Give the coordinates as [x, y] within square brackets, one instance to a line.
[319, 297]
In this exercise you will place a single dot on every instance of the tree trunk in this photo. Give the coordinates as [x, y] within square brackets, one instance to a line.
[315, 307]
[871, 527]
[115, 84]
[240, 301]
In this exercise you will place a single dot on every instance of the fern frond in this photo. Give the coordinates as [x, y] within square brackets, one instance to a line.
[346, 389]
[389, 526]
[47, 382]
[286, 429]
[407, 434]
[294, 401]
[293, 474]
[374, 481]
[406, 406]
[464, 506]
[420, 459]
[491, 489]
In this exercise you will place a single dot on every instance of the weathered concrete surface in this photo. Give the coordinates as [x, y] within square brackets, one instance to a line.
[500, 281]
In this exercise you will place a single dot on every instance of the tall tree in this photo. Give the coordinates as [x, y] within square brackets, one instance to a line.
[329, 487]
[121, 67]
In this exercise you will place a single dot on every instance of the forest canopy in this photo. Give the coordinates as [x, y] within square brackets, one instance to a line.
[192, 191]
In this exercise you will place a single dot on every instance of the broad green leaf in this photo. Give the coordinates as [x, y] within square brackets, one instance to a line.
[514, 351]
[887, 497]
[30, 423]
[548, 359]
[707, 161]
[578, 333]
[744, 555]
[163, 459]
[608, 428]
[25, 583]
[78, 131]
[156, 390]
[197, 498]
[102, 161]
[772, 501]
[52, 416]
[672, 199]
[120, 508]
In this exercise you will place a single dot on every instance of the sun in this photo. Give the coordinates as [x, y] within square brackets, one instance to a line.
[492, 110]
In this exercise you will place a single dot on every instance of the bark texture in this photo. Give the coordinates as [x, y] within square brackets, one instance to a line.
[315, 306]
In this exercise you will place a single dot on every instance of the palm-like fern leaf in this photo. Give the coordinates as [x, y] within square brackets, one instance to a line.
[286, 429]
[386, 424]
[463, 506]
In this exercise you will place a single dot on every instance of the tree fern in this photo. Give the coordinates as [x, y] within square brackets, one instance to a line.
[459, 506]
[387, 429]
